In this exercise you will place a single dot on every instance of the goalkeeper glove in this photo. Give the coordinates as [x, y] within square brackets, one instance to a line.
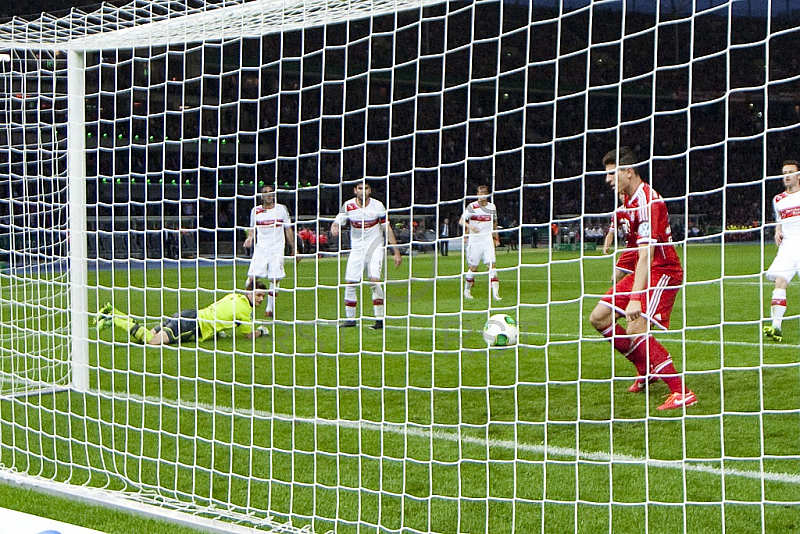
[263, 330]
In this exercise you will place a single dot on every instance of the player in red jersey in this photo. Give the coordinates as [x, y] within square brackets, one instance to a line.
[787, 236]
[648, 295]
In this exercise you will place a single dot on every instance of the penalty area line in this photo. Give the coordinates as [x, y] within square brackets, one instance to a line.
[698, 466]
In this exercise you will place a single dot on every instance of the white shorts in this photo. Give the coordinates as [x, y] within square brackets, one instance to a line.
[786, 264]
[480, 251]
[371, 259]
[266, 263]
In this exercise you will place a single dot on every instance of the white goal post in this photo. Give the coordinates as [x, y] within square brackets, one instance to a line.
[136, 140]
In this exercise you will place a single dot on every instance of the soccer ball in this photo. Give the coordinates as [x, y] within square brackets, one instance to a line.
[500, 330]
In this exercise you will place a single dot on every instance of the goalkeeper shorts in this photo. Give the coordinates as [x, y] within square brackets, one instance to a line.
[182, 325]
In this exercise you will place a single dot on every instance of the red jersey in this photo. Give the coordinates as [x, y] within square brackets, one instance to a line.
[649, 223]
[622, 221]
[627, 257]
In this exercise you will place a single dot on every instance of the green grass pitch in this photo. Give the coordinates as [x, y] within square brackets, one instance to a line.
[420, 428]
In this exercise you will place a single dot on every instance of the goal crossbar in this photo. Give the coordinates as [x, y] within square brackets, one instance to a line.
[134, 26]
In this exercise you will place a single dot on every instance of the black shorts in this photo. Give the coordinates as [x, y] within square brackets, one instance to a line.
[182, 325]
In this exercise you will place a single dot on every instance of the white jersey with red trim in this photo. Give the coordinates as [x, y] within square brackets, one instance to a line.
[365, 222]
[270, 224]
[787, 214]
[481, 220]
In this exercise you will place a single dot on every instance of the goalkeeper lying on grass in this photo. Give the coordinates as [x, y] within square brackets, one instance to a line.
[233, 311]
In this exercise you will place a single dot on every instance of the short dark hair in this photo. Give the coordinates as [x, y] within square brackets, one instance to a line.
[625, 157]
[791, 162]
[259, 285]
[483, 186]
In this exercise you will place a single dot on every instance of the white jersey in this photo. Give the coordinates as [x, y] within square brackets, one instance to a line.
[787, 214]
[482, 219]
[365, 223]
[270, 224]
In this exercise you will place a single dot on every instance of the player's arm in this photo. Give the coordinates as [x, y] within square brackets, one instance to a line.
[251, 232]
[338, 222]
[464, 222]
[639, 290]
[494, 230]
[608, 240]
[258, 332]
[778, 226]
[242, 320]
[390, 237]
[248, 242]
[289, 233]
[287, 230]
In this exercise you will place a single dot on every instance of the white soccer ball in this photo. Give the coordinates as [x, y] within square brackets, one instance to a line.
[501, 330]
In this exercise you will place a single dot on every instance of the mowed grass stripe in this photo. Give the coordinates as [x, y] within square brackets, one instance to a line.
[416, 431]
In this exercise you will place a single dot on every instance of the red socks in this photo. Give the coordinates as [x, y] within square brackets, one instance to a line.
[637, 351]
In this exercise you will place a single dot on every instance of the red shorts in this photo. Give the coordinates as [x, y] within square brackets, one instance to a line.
[627, 260]
[657, 303]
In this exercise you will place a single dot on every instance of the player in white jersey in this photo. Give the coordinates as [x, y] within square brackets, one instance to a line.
[787, 236]
[270, 229]
[480, 234]
[369, 230]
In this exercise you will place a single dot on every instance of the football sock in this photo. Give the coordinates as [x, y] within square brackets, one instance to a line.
[137, 332]
[350, 301]
[377, 299]
[122, 321]
[648, 352]
[637, 354]
[470, 279]
[140, 334]
[619, 338]
[494, 281]
[778, 308]
[273, 290]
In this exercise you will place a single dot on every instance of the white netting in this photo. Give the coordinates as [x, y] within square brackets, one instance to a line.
[173, 115]
[162, 22]
[33, 239]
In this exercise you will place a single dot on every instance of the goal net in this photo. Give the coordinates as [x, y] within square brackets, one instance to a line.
[137, 140]
[35, 284]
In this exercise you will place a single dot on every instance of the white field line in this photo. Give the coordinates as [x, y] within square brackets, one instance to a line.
[396, 428]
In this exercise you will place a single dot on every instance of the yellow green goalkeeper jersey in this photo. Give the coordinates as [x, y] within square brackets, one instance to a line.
[229, 312]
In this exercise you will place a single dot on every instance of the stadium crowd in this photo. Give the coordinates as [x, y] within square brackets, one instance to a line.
[498, 112]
